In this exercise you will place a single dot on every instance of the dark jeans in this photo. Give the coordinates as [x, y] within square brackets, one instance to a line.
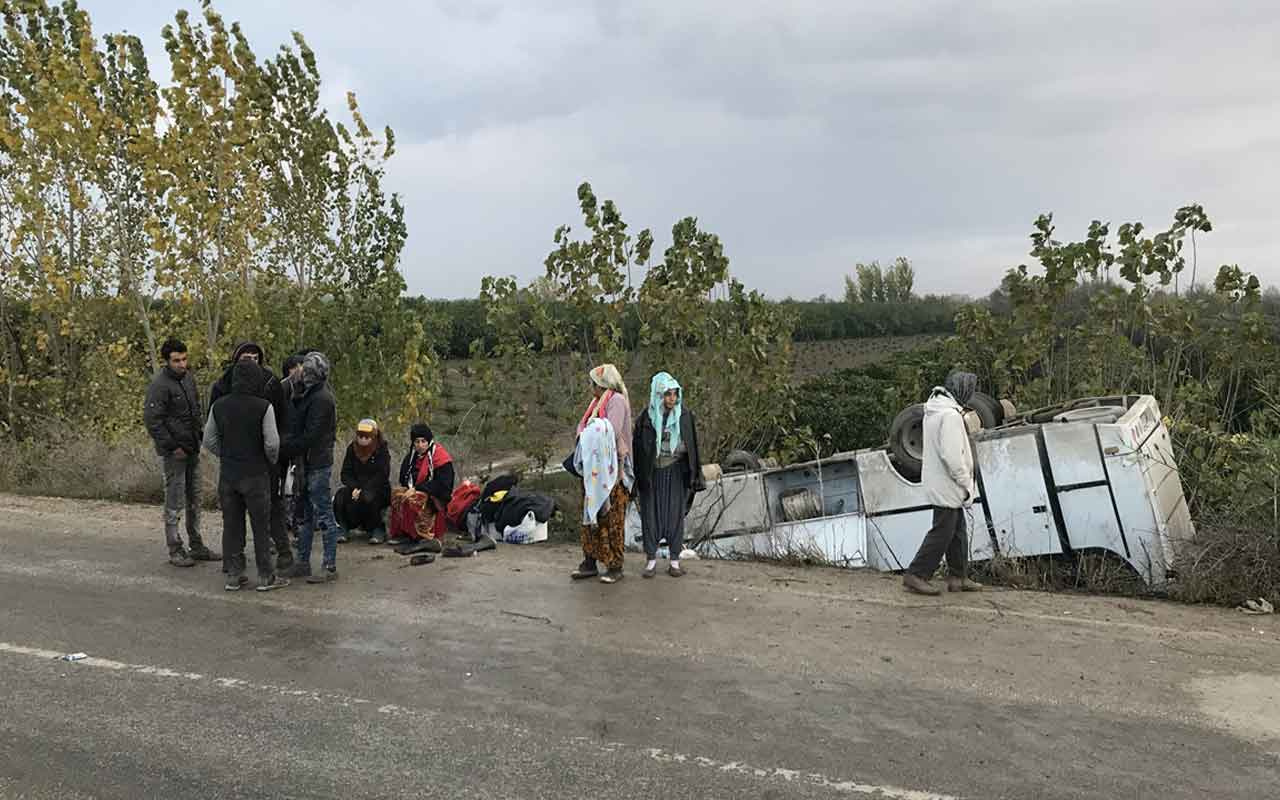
[251, 494]
[948, 535]
[182, 492]
[319, 511]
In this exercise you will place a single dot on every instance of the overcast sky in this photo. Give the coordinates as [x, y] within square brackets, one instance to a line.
[808, 135]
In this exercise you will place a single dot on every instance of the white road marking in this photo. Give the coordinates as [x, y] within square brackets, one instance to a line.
[654, 753]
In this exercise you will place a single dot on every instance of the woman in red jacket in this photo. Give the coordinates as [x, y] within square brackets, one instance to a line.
[426, 486]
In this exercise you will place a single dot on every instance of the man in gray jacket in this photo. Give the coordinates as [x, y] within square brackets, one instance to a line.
[241, 432]
[172, 416]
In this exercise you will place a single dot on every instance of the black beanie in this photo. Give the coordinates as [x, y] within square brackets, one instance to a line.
[420, 431]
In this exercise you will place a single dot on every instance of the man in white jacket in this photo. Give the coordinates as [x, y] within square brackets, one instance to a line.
[947, 475]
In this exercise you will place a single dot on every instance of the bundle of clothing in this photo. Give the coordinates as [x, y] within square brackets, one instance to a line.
[510, 514]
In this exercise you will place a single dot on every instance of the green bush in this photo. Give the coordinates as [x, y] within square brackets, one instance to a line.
[854, 409]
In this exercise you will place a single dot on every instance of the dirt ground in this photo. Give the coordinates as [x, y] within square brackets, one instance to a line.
[742, 679]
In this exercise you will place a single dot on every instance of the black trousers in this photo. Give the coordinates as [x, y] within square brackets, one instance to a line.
[279, 534]
[252, 495]
[947, 536]
[364, 514]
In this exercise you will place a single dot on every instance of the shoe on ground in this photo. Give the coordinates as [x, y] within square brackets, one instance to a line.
[284, 561]
[179, 558]
[918, 585]
[675, 572]
[377, 537]
[300, 569]
[396, 541]
[587, 569]
[203, 553]
[276, 582]
[963, 585]
[649, 572]
[326, 575]
[485, 542]
[428, 545]
[235, 583]
[611, 576]
[342, 538]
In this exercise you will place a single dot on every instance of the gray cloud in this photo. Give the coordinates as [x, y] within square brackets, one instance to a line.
[809, 135]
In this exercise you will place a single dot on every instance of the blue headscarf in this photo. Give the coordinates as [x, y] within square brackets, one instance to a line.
[660, 385]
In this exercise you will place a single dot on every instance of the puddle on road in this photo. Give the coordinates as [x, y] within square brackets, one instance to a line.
[1247, 705]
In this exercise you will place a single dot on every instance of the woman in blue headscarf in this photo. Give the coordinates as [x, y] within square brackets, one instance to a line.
[668, 470]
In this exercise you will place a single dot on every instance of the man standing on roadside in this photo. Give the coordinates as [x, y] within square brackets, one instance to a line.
[271, 390]
[172, 416]
[948, 478]
[241, 432]
[313, 428]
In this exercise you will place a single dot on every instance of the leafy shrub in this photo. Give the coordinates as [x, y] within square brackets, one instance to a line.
[850, 406]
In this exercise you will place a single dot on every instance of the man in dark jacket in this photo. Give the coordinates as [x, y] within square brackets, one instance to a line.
[172, 416]
[271, 390]
[241, 432]
[313, 429]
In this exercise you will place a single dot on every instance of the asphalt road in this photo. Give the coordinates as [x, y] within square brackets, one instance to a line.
[496, 677]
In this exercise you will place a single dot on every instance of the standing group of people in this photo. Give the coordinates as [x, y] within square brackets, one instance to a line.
[258, 425]
[655, 462]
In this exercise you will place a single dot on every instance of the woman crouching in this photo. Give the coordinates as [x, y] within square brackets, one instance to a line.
[366, 483]
[426, 486]
[668, 471]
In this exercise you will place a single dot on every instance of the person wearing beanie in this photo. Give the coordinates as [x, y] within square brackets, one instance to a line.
[312, 433]
[426, 487]
[947, 473]
[366, 483]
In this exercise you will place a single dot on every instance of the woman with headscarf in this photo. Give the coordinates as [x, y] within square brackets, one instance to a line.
[948, 478]
[668, 471]
[426, 486]
[604, 534]
[366, 483]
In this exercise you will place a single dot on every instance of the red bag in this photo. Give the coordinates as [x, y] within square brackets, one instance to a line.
[464, 496]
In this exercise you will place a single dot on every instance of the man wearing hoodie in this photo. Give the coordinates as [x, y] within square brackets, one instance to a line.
[313, 429]
[948, 478]
[171, 413]
[271, 390]
[241, 432]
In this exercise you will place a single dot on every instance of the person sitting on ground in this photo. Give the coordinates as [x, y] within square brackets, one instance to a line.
[366, 483]
[426, 486]
[948, 477]
[668, 471]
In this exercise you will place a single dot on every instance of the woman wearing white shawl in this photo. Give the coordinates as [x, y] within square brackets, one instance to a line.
[607, 478]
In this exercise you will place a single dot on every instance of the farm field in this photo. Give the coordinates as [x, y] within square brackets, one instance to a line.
[461, 414]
